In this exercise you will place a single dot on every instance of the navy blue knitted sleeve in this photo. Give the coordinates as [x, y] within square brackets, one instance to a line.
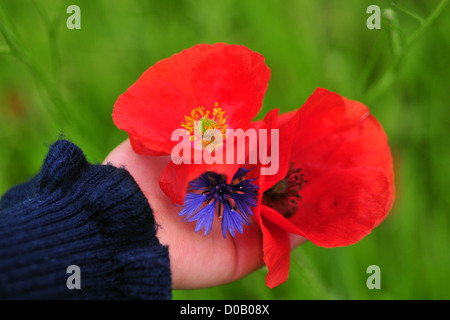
[93, 217]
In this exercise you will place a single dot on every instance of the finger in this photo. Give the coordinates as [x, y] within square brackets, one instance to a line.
[196, 261]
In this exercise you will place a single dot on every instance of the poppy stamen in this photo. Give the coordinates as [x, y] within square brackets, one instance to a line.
[205, 121]
[284, 195]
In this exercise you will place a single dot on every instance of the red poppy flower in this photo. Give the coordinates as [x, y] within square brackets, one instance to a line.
[335, 182]
[220, 85]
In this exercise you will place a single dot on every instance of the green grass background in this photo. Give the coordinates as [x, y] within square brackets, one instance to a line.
[54, 80]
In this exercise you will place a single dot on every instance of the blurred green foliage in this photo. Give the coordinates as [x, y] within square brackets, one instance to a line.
[58, 81]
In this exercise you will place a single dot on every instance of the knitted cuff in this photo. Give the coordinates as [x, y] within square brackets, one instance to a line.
[93, 217]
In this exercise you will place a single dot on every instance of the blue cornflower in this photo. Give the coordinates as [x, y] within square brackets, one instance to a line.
[232, 201]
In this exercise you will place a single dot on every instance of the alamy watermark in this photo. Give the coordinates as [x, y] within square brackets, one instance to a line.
[374, 280]
[239, 147]
[74, 20]
[374, 20]
[74, 280]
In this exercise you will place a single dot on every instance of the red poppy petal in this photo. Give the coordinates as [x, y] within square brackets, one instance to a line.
[147, 114]
[175, 178]
[370, 146]
[233, 76]
[277, 252]
[362, 145]
[287, 137]
[285, 117]
[140, 148]
[342, 206]
[278, 219]
[271, 118]
[322, 113]
[276, 243]
[356, 139]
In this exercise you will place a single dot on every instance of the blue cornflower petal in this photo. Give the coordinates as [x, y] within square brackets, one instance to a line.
[204, 218]
[232, 220]
[243, 205]
[246, 185]
[192, 203]
[233, 201]
[240, 173]
[204, 180]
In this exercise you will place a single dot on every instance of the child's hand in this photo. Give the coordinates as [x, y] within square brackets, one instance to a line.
[197, 261]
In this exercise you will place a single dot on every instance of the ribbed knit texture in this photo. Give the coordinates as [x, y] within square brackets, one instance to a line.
[76, 213]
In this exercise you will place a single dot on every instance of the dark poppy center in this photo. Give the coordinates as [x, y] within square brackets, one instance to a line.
[284, 196]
